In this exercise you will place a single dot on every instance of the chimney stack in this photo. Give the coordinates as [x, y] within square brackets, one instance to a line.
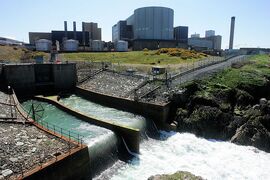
[74, 30]
[65, 27]
[83, 34]
[232, 32]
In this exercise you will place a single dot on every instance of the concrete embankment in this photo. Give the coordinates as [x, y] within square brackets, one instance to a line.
[131, 136]
[158, 113]
[73, 164]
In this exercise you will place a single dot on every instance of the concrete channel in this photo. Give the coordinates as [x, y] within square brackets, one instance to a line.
[72, 165]
[131, 136]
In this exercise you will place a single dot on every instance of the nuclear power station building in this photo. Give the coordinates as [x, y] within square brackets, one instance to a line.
[151, 28]
[89, 32]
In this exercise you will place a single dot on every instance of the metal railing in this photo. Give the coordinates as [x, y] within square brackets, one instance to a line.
[62, 132]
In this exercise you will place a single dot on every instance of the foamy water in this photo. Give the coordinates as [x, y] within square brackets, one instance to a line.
[186, 152]
[105, 113]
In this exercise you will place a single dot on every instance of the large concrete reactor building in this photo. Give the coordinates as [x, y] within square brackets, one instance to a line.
[148, 27]
[153, 23]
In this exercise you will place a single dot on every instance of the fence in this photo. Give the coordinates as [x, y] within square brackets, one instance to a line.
[62, 132]
[12, 109]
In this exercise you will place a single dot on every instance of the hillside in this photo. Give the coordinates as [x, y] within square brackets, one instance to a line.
[16, 53]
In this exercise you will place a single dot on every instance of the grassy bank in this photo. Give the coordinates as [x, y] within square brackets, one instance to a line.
[138, 57]
[246, 74]
[16, 53]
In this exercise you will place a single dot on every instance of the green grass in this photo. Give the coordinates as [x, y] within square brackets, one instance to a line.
[16, 53]
[133, 57]
[251, 74]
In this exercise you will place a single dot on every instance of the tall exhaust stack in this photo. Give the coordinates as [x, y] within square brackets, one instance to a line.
[83, 34]
[65, 27]
[74, 30]
[232, 32]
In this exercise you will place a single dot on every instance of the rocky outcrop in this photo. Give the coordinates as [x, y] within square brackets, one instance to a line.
[226, 114]
[180, 175]
[256, 131]
[206, 121]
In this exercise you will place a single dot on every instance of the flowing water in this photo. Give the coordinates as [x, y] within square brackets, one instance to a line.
[172, 152]
[55, 116]
[207, 158]
[104, 113]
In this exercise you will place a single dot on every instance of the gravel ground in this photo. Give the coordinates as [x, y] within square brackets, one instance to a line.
[112, 83]
[159, 96]
[83, 73]
[7, 111]
[22, 147]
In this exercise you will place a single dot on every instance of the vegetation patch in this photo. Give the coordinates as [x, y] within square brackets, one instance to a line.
[162, 56]
[17, 53]
[231, 105]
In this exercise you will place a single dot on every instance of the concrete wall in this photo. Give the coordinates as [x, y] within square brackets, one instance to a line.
[74, 166]
[65, 76]
[1, 72]
[20, 77]
[153, 44]
[33, 78]
[158, 113]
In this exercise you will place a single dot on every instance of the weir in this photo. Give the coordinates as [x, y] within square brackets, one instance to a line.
[157, 113]
[96, 138]
[131, 135]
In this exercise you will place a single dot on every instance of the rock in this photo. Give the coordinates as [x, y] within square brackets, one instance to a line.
[13, 159]
[237, 122]
[206, 121]
[263, 101]
[6, 172]
[202, 101]
[180, 175]
[253, 133]
[256, 107]
[33, 150]
[1, 177]
[3, 166]
[19, 143]
[243, 98]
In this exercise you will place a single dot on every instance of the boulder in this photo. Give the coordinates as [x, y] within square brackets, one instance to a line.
[253, 133]
[243, 98]
[206, 121]
[237, 122]
[180, 175]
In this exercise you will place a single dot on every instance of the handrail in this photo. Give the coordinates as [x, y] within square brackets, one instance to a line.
[51, 127]
[63, 132]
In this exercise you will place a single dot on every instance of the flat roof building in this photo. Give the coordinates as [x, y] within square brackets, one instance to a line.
[181, 34]
[93, 30]
[209, 33]
[122, 31]
[195, 35]
[90, 31]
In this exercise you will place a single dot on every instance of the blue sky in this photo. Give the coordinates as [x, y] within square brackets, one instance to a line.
[252, 29]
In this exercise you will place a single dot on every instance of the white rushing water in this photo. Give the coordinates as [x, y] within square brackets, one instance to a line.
[105, 113]
[186, 152]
